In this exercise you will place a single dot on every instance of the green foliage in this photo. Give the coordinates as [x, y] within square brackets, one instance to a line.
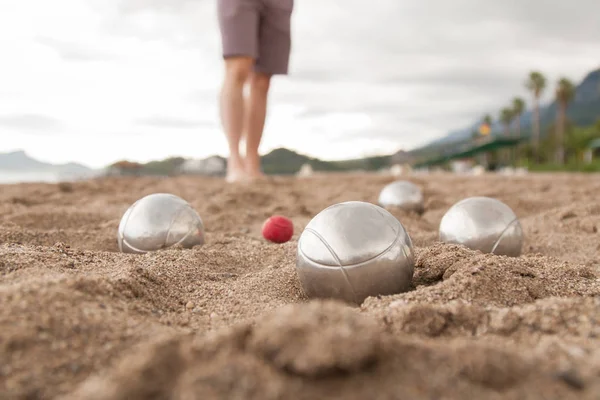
[568, 167]
[577, 141]
[506, 115]
[367, 164]
[579, 138]
[168, 166]
[518, 106]
[536, 83]
[285, 162]
[565, 91]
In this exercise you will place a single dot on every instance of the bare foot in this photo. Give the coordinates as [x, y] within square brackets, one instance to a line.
[253, 170]
[260, 176]
[235, 170]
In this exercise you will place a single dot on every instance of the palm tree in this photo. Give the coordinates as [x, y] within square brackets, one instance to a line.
[536, 83]
[565, 92]
[506, 117]
[487, 119]
[518, 106]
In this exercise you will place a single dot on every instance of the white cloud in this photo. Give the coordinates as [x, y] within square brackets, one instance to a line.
[140, 79]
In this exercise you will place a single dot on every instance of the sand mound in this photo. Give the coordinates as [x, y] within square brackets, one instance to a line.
[326, 350]
[229, 319]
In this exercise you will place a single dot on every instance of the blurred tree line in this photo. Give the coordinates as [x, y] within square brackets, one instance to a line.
[560, 145]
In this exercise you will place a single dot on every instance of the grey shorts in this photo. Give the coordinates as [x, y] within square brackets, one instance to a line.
[260, 29]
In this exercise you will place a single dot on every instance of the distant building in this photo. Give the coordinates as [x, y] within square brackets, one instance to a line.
[305, 171]
[592, 152]
[211, 166]
[462, 166]
[478, 170]
[124, 168]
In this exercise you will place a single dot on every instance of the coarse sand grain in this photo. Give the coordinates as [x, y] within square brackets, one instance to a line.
[229, 319]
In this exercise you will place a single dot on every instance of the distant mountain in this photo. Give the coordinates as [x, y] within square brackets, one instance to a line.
[280, 161]
[17, 166]
[284, 161]
[21, 162]
[401, 157]
[584, 110]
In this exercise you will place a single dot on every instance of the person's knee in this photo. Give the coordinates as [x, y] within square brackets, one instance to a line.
[238, 69]
[260, 82]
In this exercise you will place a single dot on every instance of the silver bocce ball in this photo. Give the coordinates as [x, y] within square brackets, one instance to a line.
[353, 250]
[159, 221]
[404, 195]
[484, 224]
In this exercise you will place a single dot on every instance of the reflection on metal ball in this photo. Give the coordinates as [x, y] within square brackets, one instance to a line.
[353, 250]
[484, 224]
[402, 194]
[159, 221]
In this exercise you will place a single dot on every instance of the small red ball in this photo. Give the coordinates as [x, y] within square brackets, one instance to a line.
[278, 229]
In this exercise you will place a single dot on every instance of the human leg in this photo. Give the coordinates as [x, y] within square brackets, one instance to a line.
[238, 22]
[273, 58]
[237, 70]
[254, 122]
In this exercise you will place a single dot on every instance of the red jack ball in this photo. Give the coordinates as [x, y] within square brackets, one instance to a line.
[278, 229]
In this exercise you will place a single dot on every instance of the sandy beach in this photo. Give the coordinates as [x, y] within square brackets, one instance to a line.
[229, 320]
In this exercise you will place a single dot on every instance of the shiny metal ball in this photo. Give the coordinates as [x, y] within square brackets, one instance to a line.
[484, 224]
[402, 194]
[159, 221]
[353, 250]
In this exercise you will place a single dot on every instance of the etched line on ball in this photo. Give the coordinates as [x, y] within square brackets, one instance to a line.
[337, 259]
[133, 247]
[362, 262]
[193, 229]
[380, 211]
[173, 219]
[121, 232]
[497, 242]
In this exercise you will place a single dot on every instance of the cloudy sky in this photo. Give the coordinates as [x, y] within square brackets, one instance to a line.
[95, 81]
